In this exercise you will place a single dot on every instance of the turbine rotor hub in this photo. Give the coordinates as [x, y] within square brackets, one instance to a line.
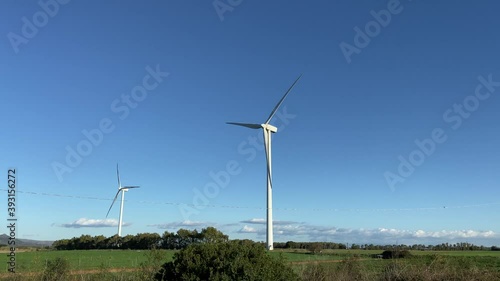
[269, 127]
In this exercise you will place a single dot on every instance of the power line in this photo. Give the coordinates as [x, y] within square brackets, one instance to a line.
[261, 208]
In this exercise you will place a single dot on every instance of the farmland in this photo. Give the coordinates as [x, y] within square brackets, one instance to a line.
[120, 260]
[33, 261]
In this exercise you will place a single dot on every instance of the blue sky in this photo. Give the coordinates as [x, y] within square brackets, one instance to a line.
[428, 74]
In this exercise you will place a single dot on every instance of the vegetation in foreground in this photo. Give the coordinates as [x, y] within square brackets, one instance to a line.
[233, 260]
[421, 268]
[210, 255]
[243, 260]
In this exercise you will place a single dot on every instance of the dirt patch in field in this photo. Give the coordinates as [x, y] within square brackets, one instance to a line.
[95, 271]
[74, 272]
[6, 251]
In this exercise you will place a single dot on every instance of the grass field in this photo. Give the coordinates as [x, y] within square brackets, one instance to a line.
[34, 261]
[304, 255]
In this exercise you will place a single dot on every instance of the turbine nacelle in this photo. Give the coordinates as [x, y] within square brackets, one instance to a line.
[269, 127]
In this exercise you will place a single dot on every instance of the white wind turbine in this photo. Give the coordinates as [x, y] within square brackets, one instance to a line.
[268, 129]
[121, 189]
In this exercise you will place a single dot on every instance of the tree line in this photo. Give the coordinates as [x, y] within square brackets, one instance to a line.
[141, 241]
[309, 245]
[462, 246]
[184, 237]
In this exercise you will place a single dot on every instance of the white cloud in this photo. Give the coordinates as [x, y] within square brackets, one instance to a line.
[306, 232]
[263, 221]
[96, 223]
[183, 224]
[248, 229]
[255, 221]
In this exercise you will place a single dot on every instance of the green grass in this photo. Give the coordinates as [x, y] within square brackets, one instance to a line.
[297, 257]
[81, 259]
[34, 261]
[459, 253]
[417, 268]
[304, 255]
[489, 260]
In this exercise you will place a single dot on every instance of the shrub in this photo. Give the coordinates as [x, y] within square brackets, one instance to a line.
[389, 254]
[56, 270]
[316, 272]
[349, 269]
[154, 260]
[232, 260]
[315, 248]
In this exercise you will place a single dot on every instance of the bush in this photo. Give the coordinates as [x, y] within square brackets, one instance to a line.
[232, 260]
[349, 269]
[315, 248]
[154, 260]
[56, 270]
[389, 254]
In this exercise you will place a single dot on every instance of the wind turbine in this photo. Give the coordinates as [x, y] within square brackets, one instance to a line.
[121, 189]
[268, 130]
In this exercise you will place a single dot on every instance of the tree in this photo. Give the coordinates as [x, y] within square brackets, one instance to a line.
[315, 247]
[85, 242]
[127, 242]
[185, 237]
[113, 242]
[99, 242]
[168, 240]
[147, 240]
[212, 235]
[232, 260]
[290, 245]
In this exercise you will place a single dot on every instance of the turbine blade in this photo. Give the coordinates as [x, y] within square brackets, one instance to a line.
[118, 176]
[267, 136]
[132, 186]
[251, 126]
[281, 101]
[116, 196]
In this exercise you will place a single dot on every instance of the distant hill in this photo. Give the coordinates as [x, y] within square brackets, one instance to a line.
[4, 238]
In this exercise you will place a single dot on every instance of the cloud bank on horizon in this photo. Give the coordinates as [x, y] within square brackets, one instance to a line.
[299, 231]
[93, 223]
[254, 228]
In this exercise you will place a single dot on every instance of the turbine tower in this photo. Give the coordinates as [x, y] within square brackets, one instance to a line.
[268, 130]
[121, 189]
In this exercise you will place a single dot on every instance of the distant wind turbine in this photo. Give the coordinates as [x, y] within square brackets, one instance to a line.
[268, 129]
[121, 189]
